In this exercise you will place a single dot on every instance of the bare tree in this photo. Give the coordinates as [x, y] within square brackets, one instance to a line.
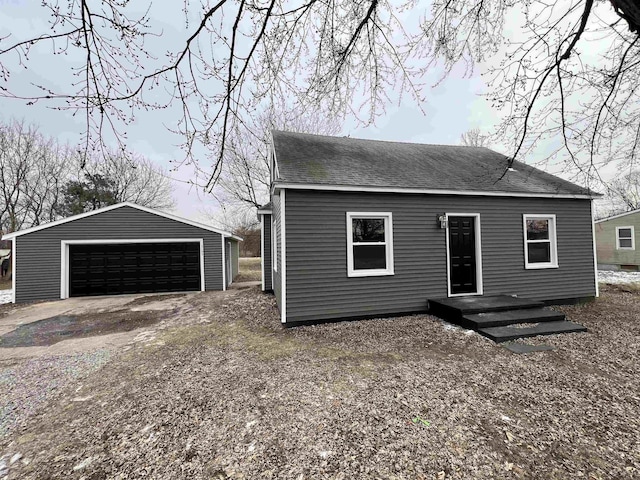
[239, 54]
[35, 171]
[136, 179]
[245, 179]
[473, 138]
[32, 168]
[623, 193]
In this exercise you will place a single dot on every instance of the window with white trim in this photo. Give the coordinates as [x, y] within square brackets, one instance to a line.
[625, 238]
[369, 244]
[540, 244]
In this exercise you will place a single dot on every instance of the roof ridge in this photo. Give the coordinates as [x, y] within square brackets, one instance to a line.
[338, 137]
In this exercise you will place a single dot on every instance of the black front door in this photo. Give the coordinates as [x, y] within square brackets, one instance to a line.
[462, 254]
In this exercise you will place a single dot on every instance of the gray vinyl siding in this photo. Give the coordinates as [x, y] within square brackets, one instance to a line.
[266, 254]
[277, 261]
[317, 283]
[38, 255]
[228, 245]
[235, 258]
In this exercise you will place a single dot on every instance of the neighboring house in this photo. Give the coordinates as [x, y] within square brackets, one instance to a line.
[120, 249]
[618, 240]
[363, 228]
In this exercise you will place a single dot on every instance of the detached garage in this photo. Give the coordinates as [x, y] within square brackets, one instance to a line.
[120, 249]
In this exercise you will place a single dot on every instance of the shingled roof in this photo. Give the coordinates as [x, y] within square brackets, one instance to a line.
[305, 159]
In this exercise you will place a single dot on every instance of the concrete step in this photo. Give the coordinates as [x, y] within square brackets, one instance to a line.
[506, 333]
[510, 317]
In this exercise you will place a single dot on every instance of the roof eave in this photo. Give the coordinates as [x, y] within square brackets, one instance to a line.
[281, 185]
[619, 215]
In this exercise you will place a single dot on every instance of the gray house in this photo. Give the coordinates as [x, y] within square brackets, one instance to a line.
[362, 228]
[120, 249]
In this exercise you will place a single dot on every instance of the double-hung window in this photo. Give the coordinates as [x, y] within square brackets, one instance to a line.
[540, 245]
[369, 244]
[625, 238]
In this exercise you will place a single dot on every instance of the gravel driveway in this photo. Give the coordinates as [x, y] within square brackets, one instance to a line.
[233, 395]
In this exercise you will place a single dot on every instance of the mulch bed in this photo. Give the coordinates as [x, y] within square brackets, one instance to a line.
[234, 395]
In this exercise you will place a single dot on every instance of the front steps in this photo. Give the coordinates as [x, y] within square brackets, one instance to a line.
[502, 317]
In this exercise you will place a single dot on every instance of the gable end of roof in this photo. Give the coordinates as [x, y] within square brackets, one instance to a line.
[11, 236]
[619, 215]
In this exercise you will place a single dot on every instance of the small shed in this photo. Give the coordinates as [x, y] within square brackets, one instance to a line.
[121, 249]
[617, 238]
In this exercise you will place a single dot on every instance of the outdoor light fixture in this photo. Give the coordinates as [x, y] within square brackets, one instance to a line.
[443, 220]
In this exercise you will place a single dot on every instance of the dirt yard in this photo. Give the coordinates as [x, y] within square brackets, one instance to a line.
[220, 390]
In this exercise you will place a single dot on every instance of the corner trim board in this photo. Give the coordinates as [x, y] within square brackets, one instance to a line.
[595, 250]
[283, 248]
[224, 267]
[14, 260]
[262, 249]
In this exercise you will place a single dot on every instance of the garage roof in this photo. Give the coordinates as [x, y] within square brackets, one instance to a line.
[10, 236]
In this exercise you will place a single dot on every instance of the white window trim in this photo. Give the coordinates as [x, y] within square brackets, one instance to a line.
[64, 255]
[552, 239]
[478, 247]
[633, 238]
[388, 242]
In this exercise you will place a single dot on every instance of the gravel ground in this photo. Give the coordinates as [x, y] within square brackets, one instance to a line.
[237, 396]
[6, 296]
[26, 386]
[618, 277]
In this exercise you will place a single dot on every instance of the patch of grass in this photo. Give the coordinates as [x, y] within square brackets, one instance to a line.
[263, 342]
[250, 269]
[268, 344]
[250, 263]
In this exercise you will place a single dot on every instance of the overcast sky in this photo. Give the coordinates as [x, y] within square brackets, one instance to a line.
[451, 108]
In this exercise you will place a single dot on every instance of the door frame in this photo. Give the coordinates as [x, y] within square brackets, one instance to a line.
[64, 255]
[478, 252]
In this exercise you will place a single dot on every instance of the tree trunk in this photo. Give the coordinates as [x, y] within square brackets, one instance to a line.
[630, 11]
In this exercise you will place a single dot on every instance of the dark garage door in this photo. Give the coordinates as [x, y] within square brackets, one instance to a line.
[113, 269]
